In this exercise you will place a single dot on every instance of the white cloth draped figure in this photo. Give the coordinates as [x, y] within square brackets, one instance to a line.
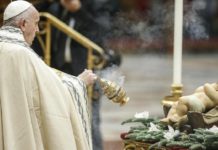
[39, 110]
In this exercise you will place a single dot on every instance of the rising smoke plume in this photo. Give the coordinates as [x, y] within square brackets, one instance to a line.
[193, 22]
[113, 74]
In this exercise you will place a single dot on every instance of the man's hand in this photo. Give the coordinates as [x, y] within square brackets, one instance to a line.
[88, 77]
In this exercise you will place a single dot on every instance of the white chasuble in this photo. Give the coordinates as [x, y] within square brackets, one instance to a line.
[39, 110]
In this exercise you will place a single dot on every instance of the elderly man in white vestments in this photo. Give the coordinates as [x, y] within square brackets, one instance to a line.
[40, 108]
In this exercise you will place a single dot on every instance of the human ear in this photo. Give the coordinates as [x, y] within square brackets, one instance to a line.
[22, 24]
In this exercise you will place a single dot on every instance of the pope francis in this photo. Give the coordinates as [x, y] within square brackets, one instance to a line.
[40, 108]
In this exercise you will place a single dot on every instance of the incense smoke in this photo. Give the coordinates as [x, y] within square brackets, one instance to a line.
[113, 74]
[193, 22]
[153, 27]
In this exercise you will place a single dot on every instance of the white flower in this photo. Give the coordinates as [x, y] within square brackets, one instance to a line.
[170, 133]
[153, 127]
[144, 114]
[213, 129]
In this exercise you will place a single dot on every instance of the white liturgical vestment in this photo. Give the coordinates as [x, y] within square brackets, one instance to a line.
[39, 110]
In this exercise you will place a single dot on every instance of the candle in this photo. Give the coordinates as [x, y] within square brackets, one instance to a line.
[177, 55]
